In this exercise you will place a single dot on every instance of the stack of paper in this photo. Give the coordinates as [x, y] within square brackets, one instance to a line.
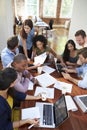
[40, 59]
[49, 92]
[45, 80]
[30, 113]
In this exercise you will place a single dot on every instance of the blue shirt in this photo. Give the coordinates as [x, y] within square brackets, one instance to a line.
[5, 111]
[82, 71]
[7, 56]
[29, 42]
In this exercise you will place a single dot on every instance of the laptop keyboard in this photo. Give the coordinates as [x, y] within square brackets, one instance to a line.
[47, 114]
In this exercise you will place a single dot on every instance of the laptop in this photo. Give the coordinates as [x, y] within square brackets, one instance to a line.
[52, 114]
[81, 100]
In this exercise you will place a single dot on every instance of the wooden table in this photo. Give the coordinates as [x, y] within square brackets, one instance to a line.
[76, 121]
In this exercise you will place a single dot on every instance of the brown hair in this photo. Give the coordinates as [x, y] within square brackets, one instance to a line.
[29, 23]
[80, 32]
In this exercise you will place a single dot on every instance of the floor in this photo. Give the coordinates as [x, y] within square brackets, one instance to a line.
[57, 39]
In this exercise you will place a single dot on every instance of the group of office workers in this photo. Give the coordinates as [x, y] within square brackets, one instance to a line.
[15, 76]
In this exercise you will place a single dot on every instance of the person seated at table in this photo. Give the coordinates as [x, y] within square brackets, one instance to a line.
[20, 64]
[10, 51]
[81, 71]
[40, 46]
[70, 54]
[7, 81]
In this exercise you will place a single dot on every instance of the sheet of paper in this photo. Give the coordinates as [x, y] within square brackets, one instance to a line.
[70, 103]
[48, 69]
[62, 85]
[31, 113]
[30, 86]
[49, 91]
[45, 80]
[40, 59]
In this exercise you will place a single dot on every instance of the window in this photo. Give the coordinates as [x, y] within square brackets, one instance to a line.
[66, 8]
[32, 7]
[49, 8]
[26, 8]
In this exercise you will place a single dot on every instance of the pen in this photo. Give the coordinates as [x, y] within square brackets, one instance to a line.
[31, 126]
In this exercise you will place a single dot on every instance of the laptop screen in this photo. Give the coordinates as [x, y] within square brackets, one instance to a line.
[60, 111]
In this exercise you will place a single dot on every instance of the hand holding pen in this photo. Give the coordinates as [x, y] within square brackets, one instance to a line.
[33, 123]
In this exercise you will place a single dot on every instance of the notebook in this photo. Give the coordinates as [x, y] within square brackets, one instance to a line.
[52, 114]
[81, 100]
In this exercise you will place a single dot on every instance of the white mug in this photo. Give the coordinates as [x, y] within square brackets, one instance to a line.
[44, 96]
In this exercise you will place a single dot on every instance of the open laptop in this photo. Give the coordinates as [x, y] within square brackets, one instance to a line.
[52, 114]
[81, 100]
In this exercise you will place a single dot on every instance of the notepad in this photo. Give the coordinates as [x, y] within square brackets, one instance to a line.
[48, 69]
[30, 113]
[59, 85]
[70, 103]
[45, 80]
[49, 91]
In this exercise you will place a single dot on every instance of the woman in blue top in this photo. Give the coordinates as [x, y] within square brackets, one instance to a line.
[7, 81]
[70, 53]
[25, 38]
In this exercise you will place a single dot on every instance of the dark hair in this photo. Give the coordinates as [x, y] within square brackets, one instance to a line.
[7, 76]
[18, 58]
[80, 32]
[29, 23]
[66, 52]
[40, 38]
[12, 42]
[83, 52]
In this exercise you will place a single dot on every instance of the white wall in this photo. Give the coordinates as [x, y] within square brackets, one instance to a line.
[6, 22]
[79, 17]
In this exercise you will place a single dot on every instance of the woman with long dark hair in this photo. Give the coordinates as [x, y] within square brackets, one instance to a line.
[70, 53]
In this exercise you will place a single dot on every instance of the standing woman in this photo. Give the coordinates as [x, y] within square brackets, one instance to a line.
[70, 53]
[25, 38]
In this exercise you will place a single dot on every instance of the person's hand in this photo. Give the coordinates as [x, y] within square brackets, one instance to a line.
[28, 59]
[66, 76]
[68, 63]
[63, 64]
[35, 81]
[39, 96]
[33, 121]
[38, 65]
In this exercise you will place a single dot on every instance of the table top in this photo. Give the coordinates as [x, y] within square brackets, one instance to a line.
[77, 120]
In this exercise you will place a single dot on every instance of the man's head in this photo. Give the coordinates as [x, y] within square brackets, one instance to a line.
[83, 55]
[12, 43]
[80, 36]
[20, 62]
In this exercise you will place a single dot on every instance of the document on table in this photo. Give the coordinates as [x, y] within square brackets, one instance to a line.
[30, 86]
[48, 69]
[31, 113]
[49, 92]
[40, 59]
[62, 85]
[70, 103]
[45, 80]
